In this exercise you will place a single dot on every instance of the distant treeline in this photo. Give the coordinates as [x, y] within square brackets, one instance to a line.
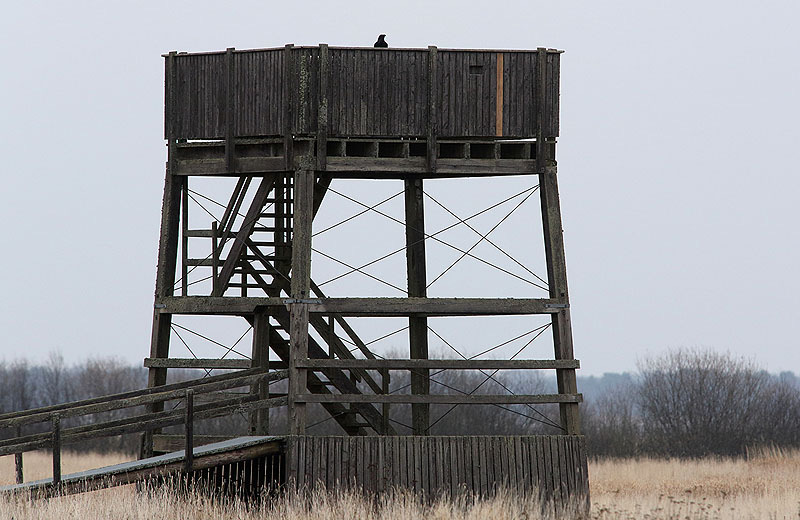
[686, 403]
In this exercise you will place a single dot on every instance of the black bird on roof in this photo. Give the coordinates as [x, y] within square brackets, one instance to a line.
[381, 42]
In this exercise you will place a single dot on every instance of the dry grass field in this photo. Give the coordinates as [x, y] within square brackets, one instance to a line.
[765, 486]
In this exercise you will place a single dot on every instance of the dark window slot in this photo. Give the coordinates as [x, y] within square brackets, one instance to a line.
[482, 151]
[417, 149]
[391, 149]
[335, 149]
[514, 150]
[451, 150]
[361, 149]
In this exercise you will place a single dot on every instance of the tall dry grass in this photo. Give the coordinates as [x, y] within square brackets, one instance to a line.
[764, 485]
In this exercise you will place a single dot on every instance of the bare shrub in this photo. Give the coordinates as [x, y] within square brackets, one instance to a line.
[699, 402]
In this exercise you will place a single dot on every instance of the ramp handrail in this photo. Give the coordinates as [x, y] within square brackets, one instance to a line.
[138, 423]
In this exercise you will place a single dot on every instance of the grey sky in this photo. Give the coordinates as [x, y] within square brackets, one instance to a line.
[677, 169]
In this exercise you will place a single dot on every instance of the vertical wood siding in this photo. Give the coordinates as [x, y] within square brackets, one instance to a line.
[371, 92]
[552, 466]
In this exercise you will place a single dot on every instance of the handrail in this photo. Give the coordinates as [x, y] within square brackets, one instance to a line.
[124, 395]
[140, 423]
[143, 422]
[233, 382]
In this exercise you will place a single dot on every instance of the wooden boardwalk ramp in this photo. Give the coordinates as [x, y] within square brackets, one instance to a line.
[255, 460]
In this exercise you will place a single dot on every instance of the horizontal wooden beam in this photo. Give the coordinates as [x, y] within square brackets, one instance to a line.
[397, 307]
[370, 167]
[209, 363]
[455, 364]
[365, 167]
[441, 398]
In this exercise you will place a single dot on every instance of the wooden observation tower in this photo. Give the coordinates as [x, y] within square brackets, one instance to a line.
[282, 125]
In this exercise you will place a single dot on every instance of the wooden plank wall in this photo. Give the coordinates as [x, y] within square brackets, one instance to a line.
[259, 93]
[554, 466]
[377, 93]
[371, 92]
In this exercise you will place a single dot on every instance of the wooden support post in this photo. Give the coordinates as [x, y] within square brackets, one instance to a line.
[298, 377]
[56, 422]
[185, 238]
[385, 380]
[188, 454]
[554, 254]
[18, 468]
[259, 419]
[300, 290]
[230, 111]
[165, 281]
[417, 282]
[432, 110]
[18, 461]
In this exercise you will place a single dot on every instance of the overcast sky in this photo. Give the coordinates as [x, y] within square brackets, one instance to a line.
[677, 161]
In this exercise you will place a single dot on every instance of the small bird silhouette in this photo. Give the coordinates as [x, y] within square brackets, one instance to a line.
[381, 42]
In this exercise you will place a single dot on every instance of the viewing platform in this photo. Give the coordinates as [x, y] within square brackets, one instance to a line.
[362, 112]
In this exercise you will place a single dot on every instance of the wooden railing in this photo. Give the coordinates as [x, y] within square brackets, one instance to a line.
[57, 435]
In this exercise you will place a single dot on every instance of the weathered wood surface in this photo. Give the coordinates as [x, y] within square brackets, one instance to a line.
[209, 363]
[442, 364]
[367, 306]
[139, 423]
[166, 443]
[216, 455]
[363, 157]
[139, 397]
[417, 288]
[369, 91]
[553, 467]
[441, 398]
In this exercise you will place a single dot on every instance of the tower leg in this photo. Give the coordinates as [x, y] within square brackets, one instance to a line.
[165, 282]
[557, 280]
[300, 289]
[417, 282]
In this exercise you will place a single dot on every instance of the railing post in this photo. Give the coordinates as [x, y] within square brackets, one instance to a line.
[188, 455]
[18, 461]
[18, 467]
[56, 422]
